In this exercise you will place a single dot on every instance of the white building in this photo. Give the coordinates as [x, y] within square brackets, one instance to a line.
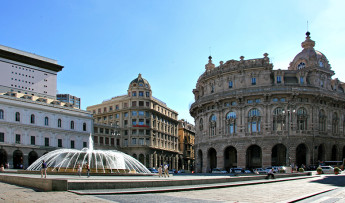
[32, 121]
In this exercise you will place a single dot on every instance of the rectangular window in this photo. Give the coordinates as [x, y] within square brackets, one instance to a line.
[2, 137]
[33, 140]
[110, 108]
[117, 142]
[134, 122]
[134, 141]
[141, 132]
[107, 140]
[46, 141]
[117, 115]
[126, 132]
[253, 81]
[279, 79]
[249, 101]
[134, 103]
[125, 142]
[59, 142]
[275, 99]
[72, 144]
[148, 104]
[134, 94]
[134, 132]
[125, 114]
[101, 140]
[17, 138]
[282, 99]
[134, 113]
[301, 80]
[117, 107]
[112, 142]
[141, 94]
[141, 103]
[230, 84]
[125, 105]
[147, 94]
[141, 113]
[141, 141]
[141, 121]
[257, 100]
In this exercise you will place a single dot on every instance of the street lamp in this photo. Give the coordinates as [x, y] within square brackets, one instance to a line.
[288, 112]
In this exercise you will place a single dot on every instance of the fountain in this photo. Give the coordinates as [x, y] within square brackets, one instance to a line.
[100, 161]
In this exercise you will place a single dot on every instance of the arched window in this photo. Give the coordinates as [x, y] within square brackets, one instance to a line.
[1, 114]
[59, 123]
[46, 121]
[254, 121]
[201, 124]
[278, 119]
[335, 123]
[32, 119]
[72, 124]
[17, 116]
[84, 126]
[212, 125]
[302, 119]
[231, 122]
[322, 121]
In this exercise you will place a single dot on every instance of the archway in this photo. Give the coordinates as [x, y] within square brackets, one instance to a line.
[321, 153]
[212, 159]
[301, 155]
[3, 157]
[17, 159]
[142, 158]
[254, 157]
[278, 156]
[334, 156]
[230, 158]
[147, 161]
[32, 157]
[180, 163]
[134, 156]
[199, 161]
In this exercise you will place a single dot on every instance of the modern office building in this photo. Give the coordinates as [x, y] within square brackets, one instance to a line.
[138, 124]
[32, 121]
[249, 115]
[67, 98]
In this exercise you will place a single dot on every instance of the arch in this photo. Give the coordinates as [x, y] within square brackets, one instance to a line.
[17, 159]
[135, 156]
[231, 122]
[301, 155]
[17, 116]
[321, 153]
[84, 126]
[32, 118]
[46, 121]
[334, 155]
[230, 158]
[147, 158]
[33, 156]
[278, 156]
[254, 121]
[1, 114]
[142, 158]
[59, 123]
[212, 159]
[3, 157]
[212, 125]
[72, 124]
[200, 162]
[254, 157]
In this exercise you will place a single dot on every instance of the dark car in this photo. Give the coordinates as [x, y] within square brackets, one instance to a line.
[153, 170]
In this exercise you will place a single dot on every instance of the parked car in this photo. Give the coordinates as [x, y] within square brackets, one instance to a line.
[260, 170]
[236, 170]
[153, 170]
[172, 171]
[275, 169]
[218, 170]
[247, 171]
[327, 169]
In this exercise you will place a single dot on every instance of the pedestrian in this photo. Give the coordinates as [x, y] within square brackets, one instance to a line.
[2, 169]
[166, 171]
[44, 169]
[79, 169]
[160, 171]
[87, 170]
[270, 173]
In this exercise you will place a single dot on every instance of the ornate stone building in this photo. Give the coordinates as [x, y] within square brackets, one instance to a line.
[139, 125]
[249, 115]
[186, 134]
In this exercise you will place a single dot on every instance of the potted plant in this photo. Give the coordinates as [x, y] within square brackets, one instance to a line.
[336, 170]
[319, 170]
[301, 170]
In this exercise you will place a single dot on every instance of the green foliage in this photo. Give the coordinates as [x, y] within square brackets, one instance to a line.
[336, 169]
[301, 170]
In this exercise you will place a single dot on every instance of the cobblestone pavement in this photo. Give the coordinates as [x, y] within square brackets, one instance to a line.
[285, 191]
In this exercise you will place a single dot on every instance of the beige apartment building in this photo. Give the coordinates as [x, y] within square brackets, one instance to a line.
[249, 115]
[186, 133]
[138, 124]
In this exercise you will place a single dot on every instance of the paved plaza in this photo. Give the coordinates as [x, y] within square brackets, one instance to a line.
[281, 191]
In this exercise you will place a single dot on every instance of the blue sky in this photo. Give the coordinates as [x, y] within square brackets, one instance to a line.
[103, 45]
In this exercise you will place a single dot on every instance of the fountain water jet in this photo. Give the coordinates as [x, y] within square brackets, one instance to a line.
[100, 161]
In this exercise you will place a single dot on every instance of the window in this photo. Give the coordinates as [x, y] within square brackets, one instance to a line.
[253, 81]
[141, 103]
[301, 80]
[249, 101]
[147, 94]
[105, 109]
[117, 107]
[125, 142]
[46, 141]
[1, 114]
[279, 79]
[141, 94]
[17, 138]
[46, 121]
[335, 123]
[33, 140]
[134, 113]
[125, 114]
[72, 144]
[17, 116]
[2, 137]
[134, 94]
[141, 141]
[230, 84]
[141, 113]
[275, 100]
[254, 121]
[59, 123]
[134, 103]
[134, 122]
[72, 125]
[212, 88]
[84, 126]
[278, 119]
[231, 122]
[302, 119]
[322, 121]
[257, 100]
[212, 125]
[32, 119]
[134, 141]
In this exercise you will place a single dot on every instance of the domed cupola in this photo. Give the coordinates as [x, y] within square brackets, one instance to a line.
[309, 57]
[139, 87]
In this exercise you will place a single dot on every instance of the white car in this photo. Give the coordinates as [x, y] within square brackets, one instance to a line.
[327, 169]
[218, 170]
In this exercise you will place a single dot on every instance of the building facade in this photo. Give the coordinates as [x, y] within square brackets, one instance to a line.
[32, 121]
[249, 115]
[67, 98]
[139, 125]
[186, 134]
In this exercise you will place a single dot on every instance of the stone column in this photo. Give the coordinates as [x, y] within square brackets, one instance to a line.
[220, 159]
[151, 161]
[155, 161]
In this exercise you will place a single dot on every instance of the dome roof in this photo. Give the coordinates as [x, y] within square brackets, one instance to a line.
[309, 57]
[140, 82]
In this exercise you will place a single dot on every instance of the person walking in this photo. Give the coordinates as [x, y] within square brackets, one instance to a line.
[79, 169]
[2, 169]
[87, 170]
[44, 169]
[270, 173]
[160, 171]
[166, 171]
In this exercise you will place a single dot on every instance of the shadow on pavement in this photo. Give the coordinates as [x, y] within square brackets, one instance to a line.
[332, 180]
